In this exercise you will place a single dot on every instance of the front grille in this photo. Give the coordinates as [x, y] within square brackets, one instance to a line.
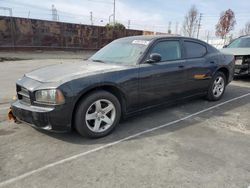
[23, 95]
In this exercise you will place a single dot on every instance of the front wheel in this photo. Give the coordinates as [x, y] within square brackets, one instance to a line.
[217, 87]
[97, 114]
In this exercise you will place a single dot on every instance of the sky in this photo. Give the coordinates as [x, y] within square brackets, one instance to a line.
[153, 15]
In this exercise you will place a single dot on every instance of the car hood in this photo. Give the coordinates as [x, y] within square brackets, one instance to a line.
[67, 71]
[236, 51]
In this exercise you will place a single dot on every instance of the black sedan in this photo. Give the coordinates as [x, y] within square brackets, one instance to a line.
[124, 77]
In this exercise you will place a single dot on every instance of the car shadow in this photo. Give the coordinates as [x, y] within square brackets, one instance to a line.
[242, 78]
[162, 115]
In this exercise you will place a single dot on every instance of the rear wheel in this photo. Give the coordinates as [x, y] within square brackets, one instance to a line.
[217, 87]
[97, 114]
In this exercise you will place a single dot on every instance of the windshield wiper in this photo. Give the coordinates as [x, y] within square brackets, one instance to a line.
[97, 60]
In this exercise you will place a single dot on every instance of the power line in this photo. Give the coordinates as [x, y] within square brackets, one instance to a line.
[97, 1]
[45, 13]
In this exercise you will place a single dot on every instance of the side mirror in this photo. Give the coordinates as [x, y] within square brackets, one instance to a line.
[154, 58]
[225, 46]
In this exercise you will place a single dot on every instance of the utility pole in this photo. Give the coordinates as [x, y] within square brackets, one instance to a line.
[169, 27]
[91, 18]
[208, 36]
[176, 28]
[12, 30]
[8, 9]
[129, 22]
[54, 13]
[114, 12]
[199, 25]
[110, 18]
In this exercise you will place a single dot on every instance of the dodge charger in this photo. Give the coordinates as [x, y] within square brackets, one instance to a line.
[127, 76]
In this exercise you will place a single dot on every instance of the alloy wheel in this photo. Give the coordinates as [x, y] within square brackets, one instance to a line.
[218, 86]
[100, 116]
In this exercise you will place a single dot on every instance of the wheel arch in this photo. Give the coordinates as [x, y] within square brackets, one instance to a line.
[225, 71]
[113, 89]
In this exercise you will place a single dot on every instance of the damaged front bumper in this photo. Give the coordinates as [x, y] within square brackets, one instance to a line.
[242, 65]
[242, 69]
[45, 118]
[11, 116]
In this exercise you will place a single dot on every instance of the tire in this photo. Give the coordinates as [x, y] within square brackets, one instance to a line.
[97, 114]
[217, 87]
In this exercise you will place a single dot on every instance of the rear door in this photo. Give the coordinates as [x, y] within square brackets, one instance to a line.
[198, 66]
[164, 80]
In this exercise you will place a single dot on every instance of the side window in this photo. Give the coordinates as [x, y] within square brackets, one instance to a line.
[169, 50]
[194, 50]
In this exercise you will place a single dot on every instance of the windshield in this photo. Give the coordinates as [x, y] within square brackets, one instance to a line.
[125, 51]
[240, 43]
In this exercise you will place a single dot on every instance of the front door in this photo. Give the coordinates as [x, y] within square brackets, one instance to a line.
[164, 80]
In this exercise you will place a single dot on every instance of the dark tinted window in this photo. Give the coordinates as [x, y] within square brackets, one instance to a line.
[169, 50]
[194, 49]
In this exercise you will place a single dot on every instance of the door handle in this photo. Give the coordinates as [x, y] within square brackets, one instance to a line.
[181, 66]
[212, 62]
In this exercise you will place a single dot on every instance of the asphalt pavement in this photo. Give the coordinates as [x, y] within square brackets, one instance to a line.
[196, 143]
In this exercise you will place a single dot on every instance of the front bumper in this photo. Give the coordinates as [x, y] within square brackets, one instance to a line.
[243, 69]
[53, 118]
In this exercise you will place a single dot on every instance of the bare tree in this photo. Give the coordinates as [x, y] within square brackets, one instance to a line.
[191, 22]
[247, 28]
[225, 24]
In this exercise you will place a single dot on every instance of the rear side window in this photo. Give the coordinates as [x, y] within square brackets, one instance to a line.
[194, 50]
[169, 50]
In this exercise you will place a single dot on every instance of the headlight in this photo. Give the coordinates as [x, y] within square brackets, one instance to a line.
[238, 61]
[50, 96]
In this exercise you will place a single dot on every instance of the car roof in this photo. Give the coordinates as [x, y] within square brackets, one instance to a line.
[245, 36]
[156, 37]
[152, 38]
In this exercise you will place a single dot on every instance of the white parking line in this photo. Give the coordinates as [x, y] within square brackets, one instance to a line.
[12, 180]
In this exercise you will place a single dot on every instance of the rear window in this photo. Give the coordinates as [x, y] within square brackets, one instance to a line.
[194, 50]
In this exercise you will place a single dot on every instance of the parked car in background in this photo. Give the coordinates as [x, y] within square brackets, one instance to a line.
[126, 76]
[240, 48]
